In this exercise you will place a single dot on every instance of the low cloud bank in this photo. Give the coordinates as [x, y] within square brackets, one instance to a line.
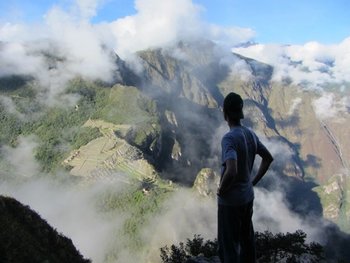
[310, 65]
[67, 44]
[72, 210]
[330, 106]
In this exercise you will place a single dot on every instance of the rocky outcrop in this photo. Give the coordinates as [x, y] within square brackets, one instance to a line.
[207, 182]
[165, 72]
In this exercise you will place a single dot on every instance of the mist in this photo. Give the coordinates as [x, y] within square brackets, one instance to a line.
[67, 44]
[310, 65]
[72, 209]
[85, 49]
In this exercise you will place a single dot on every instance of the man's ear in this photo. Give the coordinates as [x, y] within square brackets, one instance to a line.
[225, 116]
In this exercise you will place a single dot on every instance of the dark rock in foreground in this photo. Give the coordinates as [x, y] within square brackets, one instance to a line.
[26, 237]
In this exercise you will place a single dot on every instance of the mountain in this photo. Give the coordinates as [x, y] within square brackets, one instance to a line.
[26, 237]
[170, 118]
[161, 125]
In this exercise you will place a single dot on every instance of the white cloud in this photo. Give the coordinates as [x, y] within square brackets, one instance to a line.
[170, 21]
[79, 43]
[72, 211]
[69, 37]
[281, 151]
[311, 63]
[155, 27]
[273, 214]
[295, 103]
[230, 36]
[328, 106]
[21, 158]
[84, 48]
[10, 106]
[87, 8]
[15, 58]
[184, 214]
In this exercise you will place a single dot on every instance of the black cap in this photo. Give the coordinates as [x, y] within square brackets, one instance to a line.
[233, 106]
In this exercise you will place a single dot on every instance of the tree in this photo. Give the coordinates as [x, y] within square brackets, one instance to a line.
[289, 247]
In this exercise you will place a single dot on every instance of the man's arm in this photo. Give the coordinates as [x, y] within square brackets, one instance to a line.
[264, 165]
[229, 176]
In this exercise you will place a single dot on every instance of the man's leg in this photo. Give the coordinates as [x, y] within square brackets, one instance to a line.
[247, 235]
[228, 233]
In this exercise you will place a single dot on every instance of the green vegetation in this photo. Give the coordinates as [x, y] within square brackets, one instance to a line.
[144, 135]
[344, 216]
[289, 247]
[60, 129]
[125, 105]
[83, 136]
[10, 128]
[194, 247]
[56, 136]
[12, 83]
[49, 125]
[138, 202]
[335, 200]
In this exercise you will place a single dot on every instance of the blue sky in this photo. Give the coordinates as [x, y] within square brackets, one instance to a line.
[274, 21]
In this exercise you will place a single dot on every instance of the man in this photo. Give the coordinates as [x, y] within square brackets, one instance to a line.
[235, 193]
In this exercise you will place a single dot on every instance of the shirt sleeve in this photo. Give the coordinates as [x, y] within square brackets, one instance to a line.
[228, 149]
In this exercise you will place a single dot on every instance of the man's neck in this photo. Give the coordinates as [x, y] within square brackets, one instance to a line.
[234, 124]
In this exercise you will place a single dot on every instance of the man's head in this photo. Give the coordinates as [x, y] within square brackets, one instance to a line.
[233, 107]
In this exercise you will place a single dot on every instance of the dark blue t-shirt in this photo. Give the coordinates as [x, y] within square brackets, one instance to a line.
[240, 144]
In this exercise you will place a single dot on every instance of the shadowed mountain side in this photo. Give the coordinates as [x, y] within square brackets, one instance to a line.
[186, 141]
[12, 83]
[291, 121]
[26, 237]
[185, 72]
[300, 194]
[262, 72]
[337, 244]
[184, 83]
[125, 75]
